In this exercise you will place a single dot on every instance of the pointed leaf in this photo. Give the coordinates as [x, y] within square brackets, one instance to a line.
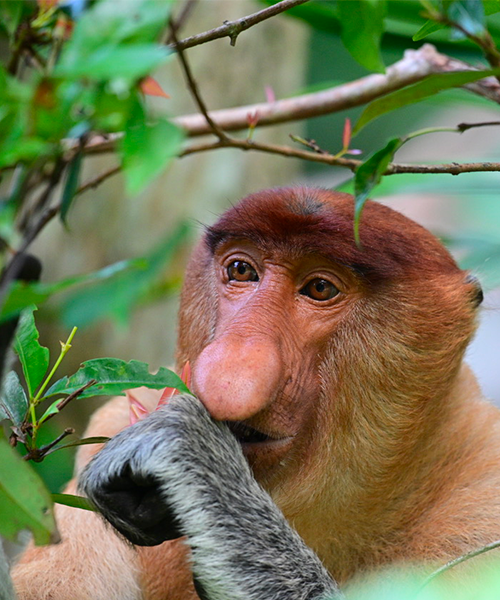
[418, 91]
[52, 410]
[83, 442]
[71, 185]
[369, 174]
[114, 376]
[151, 87]
[13, 400]
[73, 501]
[24, 500]
[427, 28]
[362, 24]
[346, 136]
[34, 357]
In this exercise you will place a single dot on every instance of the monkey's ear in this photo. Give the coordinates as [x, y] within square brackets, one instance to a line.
[476, 289]
[133, 503]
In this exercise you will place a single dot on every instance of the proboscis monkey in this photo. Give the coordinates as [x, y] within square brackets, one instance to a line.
[339, 370]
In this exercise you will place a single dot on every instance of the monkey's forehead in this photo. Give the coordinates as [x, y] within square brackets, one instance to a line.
[305, 220]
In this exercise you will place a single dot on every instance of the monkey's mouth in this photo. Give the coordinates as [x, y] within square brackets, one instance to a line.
[246, 434]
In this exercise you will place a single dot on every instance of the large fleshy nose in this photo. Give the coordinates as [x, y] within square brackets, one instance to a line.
[236, 378]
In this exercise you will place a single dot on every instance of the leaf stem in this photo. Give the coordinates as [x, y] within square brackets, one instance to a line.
[427, 130]
[64, 350]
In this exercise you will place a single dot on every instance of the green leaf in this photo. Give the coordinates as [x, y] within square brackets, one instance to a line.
[427, 28]
[82, 442]
[491, 7]
[103, 27]
[71, 185]
[109, 62]
[114, 376]
[368, 175]
[13, 400]
[136, 22]
[417, 92]
[24, 500]
[117, 296]
[22, 295]
[73, 501]
[146, 149]
[362, 24]
[11, 14]
[34, 357]
[52, 410]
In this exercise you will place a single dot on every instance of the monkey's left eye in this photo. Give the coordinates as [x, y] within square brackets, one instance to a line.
[319, 289]
[241, 271]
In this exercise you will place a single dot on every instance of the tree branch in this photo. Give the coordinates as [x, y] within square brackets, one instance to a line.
[349, 163]
[232, 29]
[415, 66]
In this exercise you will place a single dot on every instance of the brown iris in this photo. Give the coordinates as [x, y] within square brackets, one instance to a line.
[319, 289]
[240, 270]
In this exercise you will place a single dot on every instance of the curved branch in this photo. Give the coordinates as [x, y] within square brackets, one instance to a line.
[232, 29]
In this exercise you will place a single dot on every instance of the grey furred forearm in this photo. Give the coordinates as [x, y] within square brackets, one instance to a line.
[242, 546]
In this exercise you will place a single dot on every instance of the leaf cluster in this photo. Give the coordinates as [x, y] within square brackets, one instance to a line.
[83, 79]
[24, 500]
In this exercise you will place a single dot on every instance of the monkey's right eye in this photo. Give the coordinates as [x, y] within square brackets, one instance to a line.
[241, 271]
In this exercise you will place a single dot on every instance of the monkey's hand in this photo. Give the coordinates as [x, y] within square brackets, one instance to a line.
[180, 473]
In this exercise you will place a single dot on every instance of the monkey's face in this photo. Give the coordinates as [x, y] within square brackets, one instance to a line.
[260, 373]
[280, 307]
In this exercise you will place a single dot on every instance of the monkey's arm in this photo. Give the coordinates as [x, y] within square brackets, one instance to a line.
[178, 472]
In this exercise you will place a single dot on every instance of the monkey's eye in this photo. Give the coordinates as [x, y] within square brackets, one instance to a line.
[319, 289]
[241, 271]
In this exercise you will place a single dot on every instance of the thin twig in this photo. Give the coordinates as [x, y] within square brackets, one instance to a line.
[193, 88]
[65, 401]
[457, 561]
[181, 18]
[349, 163]
[38, 454]
[232, 29]
[95, 181]
[465, 126]
[54, 179]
